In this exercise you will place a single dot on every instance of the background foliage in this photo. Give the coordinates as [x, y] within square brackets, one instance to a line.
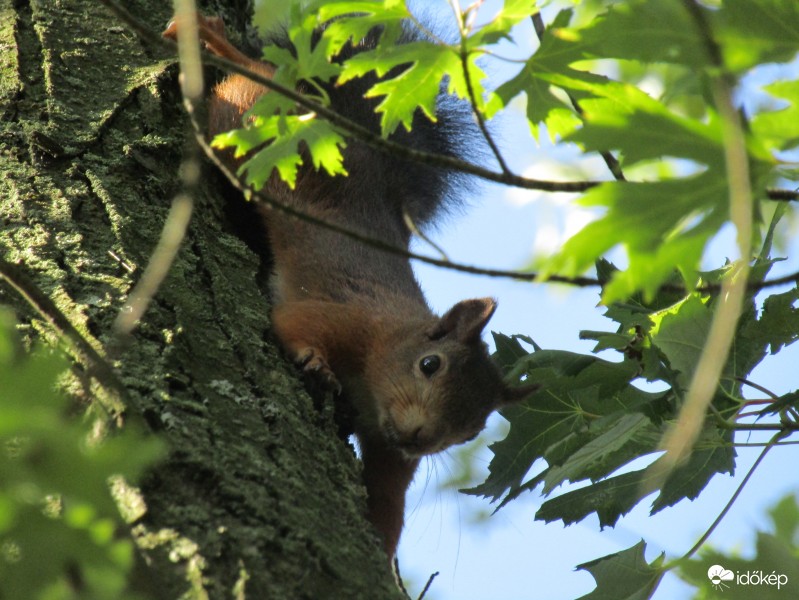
[588, 83]
[61, 533]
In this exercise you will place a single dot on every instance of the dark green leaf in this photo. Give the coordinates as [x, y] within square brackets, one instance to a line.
[637, 31]
[757, 31]
[609, 499]
[772, 574]
[625, 575]
[712, 455]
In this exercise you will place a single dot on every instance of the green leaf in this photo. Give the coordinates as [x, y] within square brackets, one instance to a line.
[578, 392]
[712, 455]
[618, 434]
[757, 31]
[352, 21]
[45, 461]
[312, 56]
[643, 129]
[610, 499]
[425, 65]
[513, 11]
[542, 105]
[624, 575]
[651, 221]
[277, 143]
[785, 516]
[680, 332]
[772, 574]
[778, 325]
[791, 399]
[637, 31]
[779, 129]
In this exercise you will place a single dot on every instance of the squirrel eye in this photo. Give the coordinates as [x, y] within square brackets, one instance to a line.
[429, 364]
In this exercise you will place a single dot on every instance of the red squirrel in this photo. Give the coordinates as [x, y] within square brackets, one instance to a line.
[356, 316]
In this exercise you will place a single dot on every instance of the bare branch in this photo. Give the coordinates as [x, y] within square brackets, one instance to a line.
[355, 129]
[177, 221]
[96, 365]
[579, 281]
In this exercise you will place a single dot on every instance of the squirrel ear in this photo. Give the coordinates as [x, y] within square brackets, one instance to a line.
[465, 320]
[517, 393]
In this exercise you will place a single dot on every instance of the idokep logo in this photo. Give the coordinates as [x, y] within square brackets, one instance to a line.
[719, 577]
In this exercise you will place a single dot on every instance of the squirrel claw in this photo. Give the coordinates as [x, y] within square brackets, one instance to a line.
[314, 364]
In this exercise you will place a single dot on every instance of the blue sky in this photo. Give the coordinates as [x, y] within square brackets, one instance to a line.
[510, 555]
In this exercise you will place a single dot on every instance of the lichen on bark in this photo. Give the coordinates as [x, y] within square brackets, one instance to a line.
[258, 492]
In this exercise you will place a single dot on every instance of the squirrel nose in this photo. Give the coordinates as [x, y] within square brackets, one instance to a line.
[414, 439]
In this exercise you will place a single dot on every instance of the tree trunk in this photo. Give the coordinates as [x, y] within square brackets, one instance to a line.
[258, 492]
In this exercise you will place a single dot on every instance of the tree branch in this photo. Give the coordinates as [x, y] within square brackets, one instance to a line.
[354, 129]
[367, 136]
[96, 366]
[478, 114]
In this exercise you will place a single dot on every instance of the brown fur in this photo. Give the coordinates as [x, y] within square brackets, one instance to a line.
[356, 317]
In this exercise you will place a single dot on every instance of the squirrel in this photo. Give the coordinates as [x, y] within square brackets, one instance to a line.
[354, 316]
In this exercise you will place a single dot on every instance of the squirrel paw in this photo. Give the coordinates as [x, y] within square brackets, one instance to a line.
[314, 364]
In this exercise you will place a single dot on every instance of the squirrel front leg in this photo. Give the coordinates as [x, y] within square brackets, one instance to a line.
[322, 338]
[387, 473]
[329, 339]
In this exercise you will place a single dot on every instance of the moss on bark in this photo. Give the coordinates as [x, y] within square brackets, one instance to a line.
[258, 492]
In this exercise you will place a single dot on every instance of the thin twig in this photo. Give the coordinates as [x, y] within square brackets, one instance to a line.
[174, 230]
[612, 163]
[427, 586]
[96, 365]
[700, 542]
[147, 35]
[423, 236]
[478, 114]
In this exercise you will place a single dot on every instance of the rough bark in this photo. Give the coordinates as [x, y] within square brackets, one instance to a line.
[258, 490]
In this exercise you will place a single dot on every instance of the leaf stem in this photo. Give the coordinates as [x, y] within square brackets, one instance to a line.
[679, 440]
[700, 542]
[611, 161]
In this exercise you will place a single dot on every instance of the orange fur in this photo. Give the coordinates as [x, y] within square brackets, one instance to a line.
[355, 317]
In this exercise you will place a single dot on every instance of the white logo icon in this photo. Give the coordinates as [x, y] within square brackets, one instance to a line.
[718, 575]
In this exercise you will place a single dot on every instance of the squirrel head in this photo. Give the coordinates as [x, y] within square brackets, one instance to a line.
[436, 385]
